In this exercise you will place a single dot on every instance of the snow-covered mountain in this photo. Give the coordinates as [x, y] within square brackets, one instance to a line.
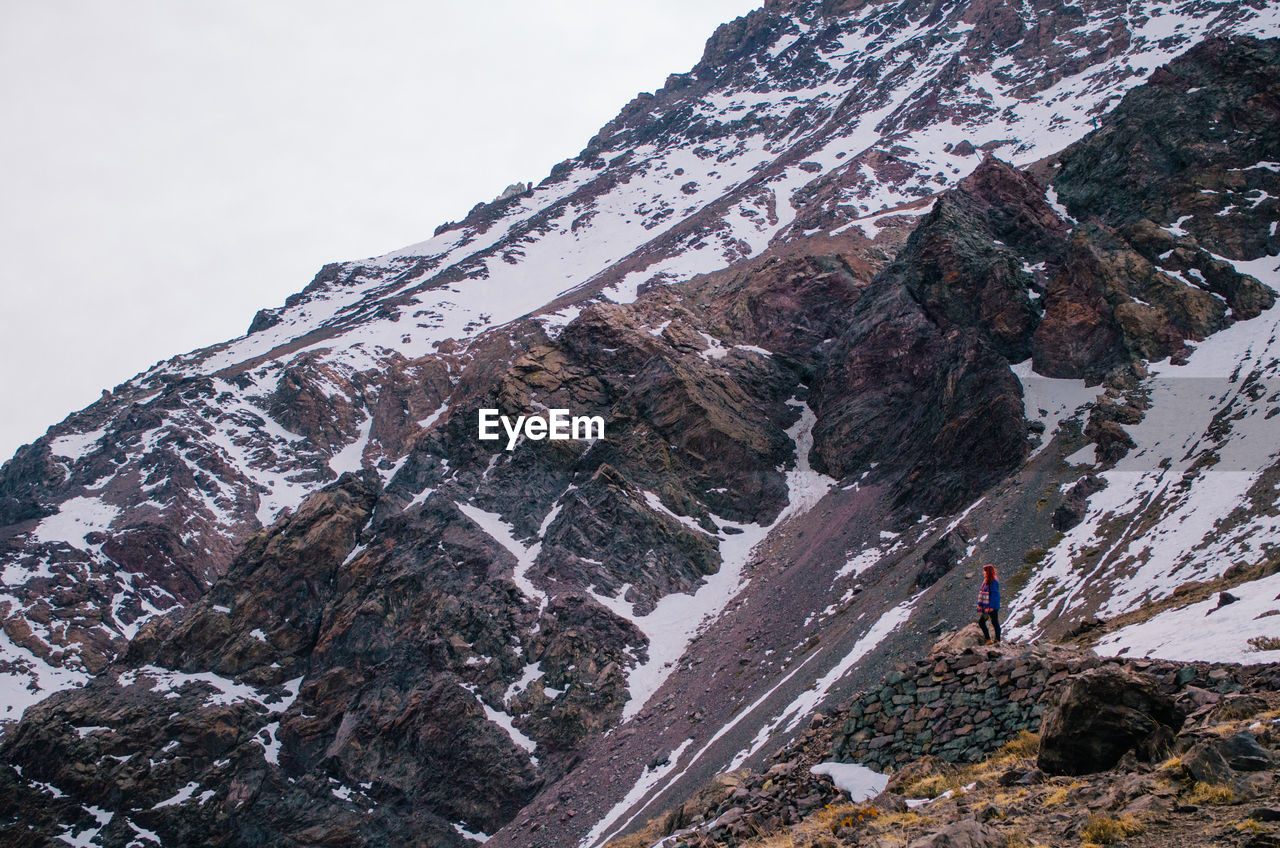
[875, 293]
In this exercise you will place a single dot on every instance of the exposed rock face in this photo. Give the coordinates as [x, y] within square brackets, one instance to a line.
[774, 139]
[1103, 714]
[805, 368]
[1189, 142]
[1111, 306]
[1137, 282]
[223, 684]
[963, 402]
[1072, 509]
[23, 481]
[967, 264]
[216, 683]
[924, 346]
[942, 557]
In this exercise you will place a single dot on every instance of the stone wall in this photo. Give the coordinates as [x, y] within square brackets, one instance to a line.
[962, 706]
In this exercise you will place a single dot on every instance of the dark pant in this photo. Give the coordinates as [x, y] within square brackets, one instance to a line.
[994, 615]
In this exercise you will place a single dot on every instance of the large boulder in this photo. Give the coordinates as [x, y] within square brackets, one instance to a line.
[963, 834]
[955, 641]
[1237, 761]
[1103, 714]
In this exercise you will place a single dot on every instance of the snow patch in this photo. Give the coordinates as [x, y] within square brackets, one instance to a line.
[473, 835]
[860, 782]
[1051, 400]
[76, 518]
[74, 446]
[505, 721]
[504, 534]
[648, 779]
[180, 797]
[351, 458]
[1204, 631]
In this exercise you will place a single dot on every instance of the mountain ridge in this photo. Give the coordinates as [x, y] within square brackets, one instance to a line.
[797, 428]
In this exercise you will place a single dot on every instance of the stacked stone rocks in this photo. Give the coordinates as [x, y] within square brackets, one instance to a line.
[962, 706]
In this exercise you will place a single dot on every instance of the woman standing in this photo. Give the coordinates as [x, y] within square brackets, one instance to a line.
[989, 603]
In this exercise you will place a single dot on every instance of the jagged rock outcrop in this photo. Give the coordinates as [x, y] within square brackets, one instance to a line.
[1184, 148]
[1071, 511]
[198, 702]
[968, 263]
[923, 346]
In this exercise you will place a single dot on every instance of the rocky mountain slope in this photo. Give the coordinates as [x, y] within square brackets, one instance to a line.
[1062, 749]
[874, 294]
[801, 119]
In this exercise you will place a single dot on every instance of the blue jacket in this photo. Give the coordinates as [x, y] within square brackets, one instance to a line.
[993, 597]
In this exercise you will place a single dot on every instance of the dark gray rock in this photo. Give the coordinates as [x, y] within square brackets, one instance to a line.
[1076, 503]
[1243, 753]
[1101, 715]
[962, 834]
[942, 557]
[1205, 762]
[1236, 707]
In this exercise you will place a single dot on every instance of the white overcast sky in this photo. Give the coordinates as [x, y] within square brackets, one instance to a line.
[168, 168]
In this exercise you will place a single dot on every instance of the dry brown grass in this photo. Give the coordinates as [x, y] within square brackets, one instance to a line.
[910, 818]
[1264, 643]
[1215, 794]
[849, 815]
[1025, 744]
[1017, 838]
[817, 827]
[1172, 771]
[1059, 795]
[1018, 752]
[1104, 830]
[934, 785]
[900, 827]
[1015, 752]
